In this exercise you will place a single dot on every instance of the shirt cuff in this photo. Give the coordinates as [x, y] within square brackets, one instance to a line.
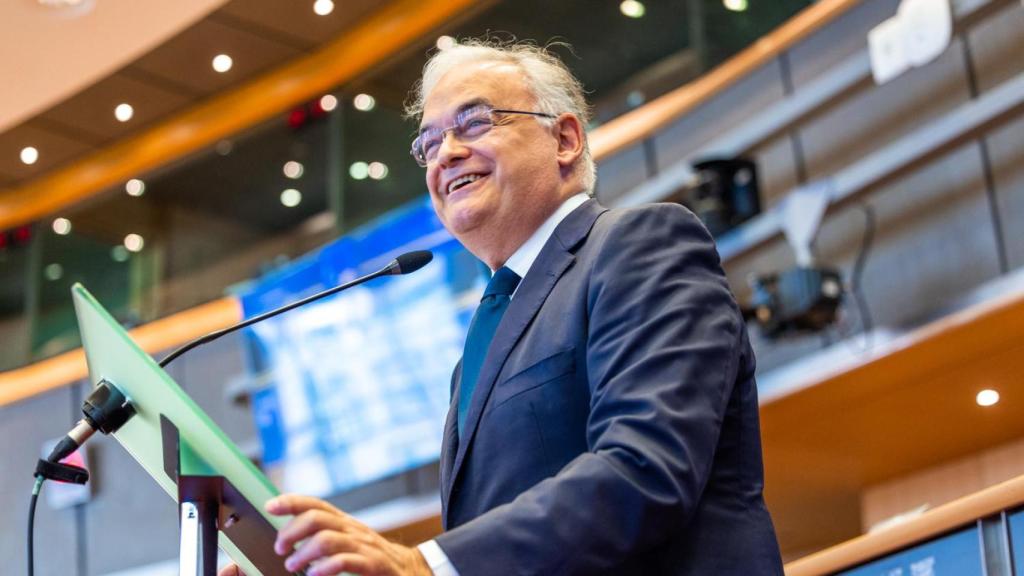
[438, 561]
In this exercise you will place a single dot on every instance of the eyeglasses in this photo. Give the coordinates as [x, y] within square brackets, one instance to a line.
[469, 124]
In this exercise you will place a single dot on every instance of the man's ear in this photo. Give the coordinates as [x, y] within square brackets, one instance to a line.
[569, 131]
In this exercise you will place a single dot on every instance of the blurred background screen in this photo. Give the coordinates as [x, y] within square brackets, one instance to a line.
[355, 387]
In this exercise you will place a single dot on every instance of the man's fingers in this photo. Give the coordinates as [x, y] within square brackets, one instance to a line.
[305, 525]
[320, 545]
[294, 504]
[338, 563]
[231, 570]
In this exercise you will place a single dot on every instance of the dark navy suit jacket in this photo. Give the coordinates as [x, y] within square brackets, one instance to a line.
[614, 428]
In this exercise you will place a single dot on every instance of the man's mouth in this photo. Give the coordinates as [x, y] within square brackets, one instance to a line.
[463, 181]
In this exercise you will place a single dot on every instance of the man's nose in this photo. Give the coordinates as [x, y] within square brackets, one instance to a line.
[451, 150]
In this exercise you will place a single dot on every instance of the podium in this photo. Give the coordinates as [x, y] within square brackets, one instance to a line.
[220, 492]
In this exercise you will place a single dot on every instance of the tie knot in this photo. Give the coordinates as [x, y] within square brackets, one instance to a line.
[503, 283]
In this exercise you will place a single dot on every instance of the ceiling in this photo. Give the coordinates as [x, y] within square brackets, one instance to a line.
[76, 70]
[50, 53]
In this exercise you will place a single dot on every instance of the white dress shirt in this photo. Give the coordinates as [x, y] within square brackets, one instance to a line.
[520, 262]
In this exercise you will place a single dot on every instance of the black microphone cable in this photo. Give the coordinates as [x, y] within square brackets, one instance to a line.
[32, 521]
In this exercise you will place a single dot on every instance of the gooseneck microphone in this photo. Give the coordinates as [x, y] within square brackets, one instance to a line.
[106, 409]
[404, 264]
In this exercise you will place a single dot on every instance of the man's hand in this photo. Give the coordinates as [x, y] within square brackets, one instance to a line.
[324, 541]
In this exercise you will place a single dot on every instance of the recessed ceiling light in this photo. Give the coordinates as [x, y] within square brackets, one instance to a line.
[364, 102]
[135, 187]
[328, 102]
[222, 63]
[62, 226]
[632, 8]
[377, 170]
[53, 272]
[735, 5]
[359, 170]
[224, 147]
[124, 112]
[293, 169]
[291, 197]
[29, 155]
[987, 397]
[445, 42]
[134, 242]
[323, 7]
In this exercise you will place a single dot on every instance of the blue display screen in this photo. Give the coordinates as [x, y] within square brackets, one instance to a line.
[957, 554]
[1016, 521]
[359, 382]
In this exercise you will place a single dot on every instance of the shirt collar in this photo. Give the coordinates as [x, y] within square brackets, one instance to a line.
[523, 258]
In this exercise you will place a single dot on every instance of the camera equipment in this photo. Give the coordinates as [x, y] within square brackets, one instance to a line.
[726, 193]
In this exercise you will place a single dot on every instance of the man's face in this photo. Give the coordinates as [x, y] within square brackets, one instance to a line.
[519, 179]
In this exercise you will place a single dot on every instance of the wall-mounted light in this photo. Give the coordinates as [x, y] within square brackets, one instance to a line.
[445, 42]
[735, 5]
[364, 102]
[328, 102]
[377, 170]
[291, 197]
[359, 170]
[61, 226]
[134, 242]
[632, 8]
[135, 187]
[293, 169]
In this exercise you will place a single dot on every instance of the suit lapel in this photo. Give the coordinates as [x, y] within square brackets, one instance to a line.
[556, 257]
[450, 442]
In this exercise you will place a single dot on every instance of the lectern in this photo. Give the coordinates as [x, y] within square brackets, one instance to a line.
[220, 493]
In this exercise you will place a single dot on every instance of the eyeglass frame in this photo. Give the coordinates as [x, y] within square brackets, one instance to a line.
[455, 128]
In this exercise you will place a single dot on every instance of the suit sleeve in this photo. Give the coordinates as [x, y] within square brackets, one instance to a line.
[662, 354]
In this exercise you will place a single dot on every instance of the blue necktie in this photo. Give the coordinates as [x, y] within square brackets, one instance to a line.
[481, 331]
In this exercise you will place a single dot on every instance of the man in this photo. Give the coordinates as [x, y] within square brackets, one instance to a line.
[604, 415]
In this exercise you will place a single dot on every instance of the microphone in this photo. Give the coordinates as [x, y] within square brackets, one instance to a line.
[106, 409]
[404, 264]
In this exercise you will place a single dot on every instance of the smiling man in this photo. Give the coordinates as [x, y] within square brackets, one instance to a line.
[604, 414]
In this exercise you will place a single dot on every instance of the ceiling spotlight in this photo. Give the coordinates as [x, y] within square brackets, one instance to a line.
[124, 112]
[632, 8]
[135, 187]
[328, 102]
[445, 42]
[735, 5]
[377, 170]
[364, 102]
[291, 197]
[119, 253]
[29, 155]
[222, 63]
[53, 272]
[62, 226]
[224, 147]
[293, 169]
[359, 170]
[987, 397]
[323, 7]
[134, 242]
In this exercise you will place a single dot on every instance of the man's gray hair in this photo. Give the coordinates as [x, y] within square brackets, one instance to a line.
[556, 89]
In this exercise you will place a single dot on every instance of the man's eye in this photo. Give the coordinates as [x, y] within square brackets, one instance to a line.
[476, 125]
[431, 144]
